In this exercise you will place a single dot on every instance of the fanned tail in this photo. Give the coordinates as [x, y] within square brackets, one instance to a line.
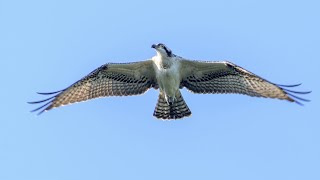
[177, 110]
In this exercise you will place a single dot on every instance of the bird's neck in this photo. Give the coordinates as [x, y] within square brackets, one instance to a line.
[162, 61]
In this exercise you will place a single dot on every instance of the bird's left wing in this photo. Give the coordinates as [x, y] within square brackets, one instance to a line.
[108, 80]
[226, 77]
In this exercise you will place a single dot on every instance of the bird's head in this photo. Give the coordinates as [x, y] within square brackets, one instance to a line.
[162, 50]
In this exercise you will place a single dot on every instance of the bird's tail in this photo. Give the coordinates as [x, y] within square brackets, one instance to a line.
[178, 109]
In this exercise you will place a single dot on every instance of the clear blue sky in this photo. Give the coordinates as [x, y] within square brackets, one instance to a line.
[48, 45]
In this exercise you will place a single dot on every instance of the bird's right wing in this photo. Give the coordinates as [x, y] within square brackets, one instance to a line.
[108, 80]
[226, 77]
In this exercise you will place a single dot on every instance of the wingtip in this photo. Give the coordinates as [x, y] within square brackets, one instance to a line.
[299, 103]
[39, 113]
[43, 108]
[47, 101]
[48, 93]
[293, 85]
[41, 101]
[293, 95]
[297, 92]
[297, 99]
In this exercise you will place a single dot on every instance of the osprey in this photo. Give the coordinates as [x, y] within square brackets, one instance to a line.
[168, 73]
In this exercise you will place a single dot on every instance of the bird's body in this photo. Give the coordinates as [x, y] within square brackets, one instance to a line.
[167, 70]
[168, 73]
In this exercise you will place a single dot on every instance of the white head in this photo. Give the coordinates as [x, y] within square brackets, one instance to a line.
[162, 50]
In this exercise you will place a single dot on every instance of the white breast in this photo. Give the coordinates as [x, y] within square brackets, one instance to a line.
[169, 78]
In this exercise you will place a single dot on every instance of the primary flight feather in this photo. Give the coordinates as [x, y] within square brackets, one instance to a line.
[168, 73]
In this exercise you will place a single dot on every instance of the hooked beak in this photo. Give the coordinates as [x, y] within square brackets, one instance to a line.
[153, 46]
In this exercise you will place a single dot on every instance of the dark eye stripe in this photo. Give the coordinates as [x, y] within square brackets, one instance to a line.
[169, 53]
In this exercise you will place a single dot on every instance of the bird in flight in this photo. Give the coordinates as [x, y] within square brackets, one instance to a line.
[169, 73]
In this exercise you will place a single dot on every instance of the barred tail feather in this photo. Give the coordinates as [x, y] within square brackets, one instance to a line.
[177, 110]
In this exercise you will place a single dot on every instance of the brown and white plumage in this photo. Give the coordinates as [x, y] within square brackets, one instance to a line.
[108, 80]
[169, 73]
[226, 77]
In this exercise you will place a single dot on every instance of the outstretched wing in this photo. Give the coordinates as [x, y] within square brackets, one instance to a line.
[108, 80]
[225, 77]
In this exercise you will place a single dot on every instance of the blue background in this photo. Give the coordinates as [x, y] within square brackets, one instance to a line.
[48, 45]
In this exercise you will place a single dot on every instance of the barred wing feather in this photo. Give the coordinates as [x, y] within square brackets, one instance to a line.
[226, 77]
[108, 80]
